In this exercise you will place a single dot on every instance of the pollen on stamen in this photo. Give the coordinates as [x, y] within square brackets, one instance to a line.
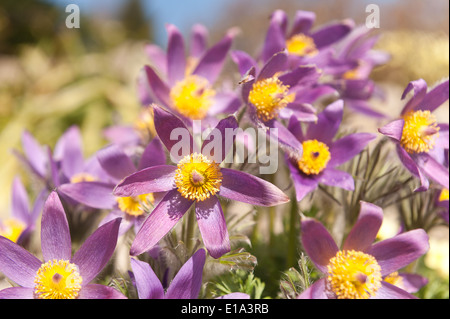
[197, 177]
[315, 157]
[353, 275]
[57, 279]
[301, 45]
[269, 96]
[135, 205]
[419, 132]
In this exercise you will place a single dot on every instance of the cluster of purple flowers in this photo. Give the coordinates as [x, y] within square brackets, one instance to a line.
[132, 179]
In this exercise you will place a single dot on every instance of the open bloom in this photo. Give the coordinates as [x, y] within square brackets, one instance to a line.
[421, 142]
[61, 275]
[361, 269]
[185, 285]
[185, 86]
[321, 155]
[198, 179]
[22, 222]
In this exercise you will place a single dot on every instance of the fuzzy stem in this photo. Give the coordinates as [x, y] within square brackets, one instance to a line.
[292, 243]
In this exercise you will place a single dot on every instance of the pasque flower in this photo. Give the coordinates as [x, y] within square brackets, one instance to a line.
[60, 275]
[421, 142]
[185, 285]
[198, 179]
[22, 222]
[321, 155]
[361, 269]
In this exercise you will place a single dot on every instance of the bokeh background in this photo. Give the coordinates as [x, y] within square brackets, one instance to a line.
[52, 77]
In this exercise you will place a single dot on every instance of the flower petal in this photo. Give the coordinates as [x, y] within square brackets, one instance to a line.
[348, 147]
[420, 90]
[435, 97]
[365, 229]
[246, 188]
[318, 243]
[199, 40]
[393, 130]
[434, 170]
[70, 145]
[399, 251]
[303, 21]
[388, 291]
[225, 131]
[327, 123]
[92, 194]
[331, 33]
[275, 37]
[96, 291]
[276, 63]
[35, 155]
[176, 59]
[160, 89]
[412, 282]
[212, 225]
[153, 155]
[303, 184]
[55, 234]
[19, 202]
[336, 178]
[115, 162]
[147, 283]
[244, 61]
[17, 293]
[149, 180]
[188, 281]
[316, 291]
[96, 251]
[162, 219]
[18, 264]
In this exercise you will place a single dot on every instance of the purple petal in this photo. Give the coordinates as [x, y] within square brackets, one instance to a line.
[165, 123]
[332, 33]
[17, 293]
[318, 243]
[212, 62]
[303, 21]
[92, 194]
[399, 251]
[199, 39]
[19, 202]
[277, 63]
[388, 291]
[336, 178]
[413, 168]
[301, 75]
[246, 188]
[18, 264]
[436, 97]
[212, 225]
[159, 88]
[72, 156]
[153, 155]
[162, 219]
[220, 138]
[275, 38]
[55, 234]
[96, 251]
[115, 162]
[366, 228]
[363, 107]
[327, 123]
[188, 281]
[157, 57]
[244, 61]
[96, 291]
[303, 184]
[303, 111]
[393, 130]
[296, 129]
[419, 88]
[176, 59]
[35, 154]
[348, 147]
[434, 170]
[316, 291]
[284, 138]
[149, 180]
[147, 283]
[412, 282]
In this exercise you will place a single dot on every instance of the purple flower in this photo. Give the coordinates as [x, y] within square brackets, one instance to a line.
[185, 285]
[361, 269]
[22, 222]
[421, 142]
[61, 275]
[321, 155]
[274, 93]
[185, 85]
[196, 179]
[305, 46]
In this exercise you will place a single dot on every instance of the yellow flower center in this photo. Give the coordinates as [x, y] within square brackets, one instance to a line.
[144, 124]
[82, 177]
[269, 96]
[419, 132]
[301, 45]
[192, 97]
[57, 279]
[394, 279]
[443, 196]
[353, 275]
[197, 177]
[315, 157]
[134, 205]
[12, 229]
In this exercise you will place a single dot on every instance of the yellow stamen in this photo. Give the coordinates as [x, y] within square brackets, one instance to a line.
[315, 157]
[197, 177]
[82, 177]
[192, 97]
[57, 279]
[144, 124]
[134, 205]
[269, 96]
[394, 279]
[353, 275]
[419, 132]
[12, 229]
[301, 45]
[443, 196]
